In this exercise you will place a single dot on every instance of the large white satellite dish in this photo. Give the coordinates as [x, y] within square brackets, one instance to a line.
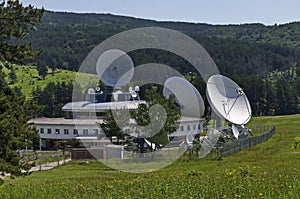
[228, 100]
[187, 96]
[115, 67]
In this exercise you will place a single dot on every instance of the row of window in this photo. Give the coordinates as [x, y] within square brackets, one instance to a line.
[188, 127]
[66, 131]
[96, 131]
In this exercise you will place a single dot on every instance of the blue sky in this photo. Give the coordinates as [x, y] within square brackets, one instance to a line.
[203, 11]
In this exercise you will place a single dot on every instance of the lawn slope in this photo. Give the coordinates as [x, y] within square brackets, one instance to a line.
[268, 170]
[28, 78]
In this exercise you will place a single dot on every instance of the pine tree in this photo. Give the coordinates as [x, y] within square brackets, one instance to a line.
[16, 22]
[144, 117]
[114, 124]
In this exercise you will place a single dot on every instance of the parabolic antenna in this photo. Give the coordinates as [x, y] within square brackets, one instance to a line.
[228, 100]
[137, 88]
[189, 139]
[133, 94]
[115, 67]
[235, 131]
[187, 96]
[91, 91]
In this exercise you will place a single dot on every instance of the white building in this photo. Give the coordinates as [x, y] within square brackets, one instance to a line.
[84, 125]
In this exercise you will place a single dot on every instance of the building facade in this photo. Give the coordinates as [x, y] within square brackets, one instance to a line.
[82, 125]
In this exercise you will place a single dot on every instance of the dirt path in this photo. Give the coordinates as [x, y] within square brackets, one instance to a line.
[48, 166]
[42, 167]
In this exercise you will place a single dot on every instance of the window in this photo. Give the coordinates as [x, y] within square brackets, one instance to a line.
[100, 114]
[194, 127]
[181, 128]
[188, 127]
[96, 131]
[66, 131]
[57, 131]
[49, 131]
[75, 131]
[41, 131]
[85, 131]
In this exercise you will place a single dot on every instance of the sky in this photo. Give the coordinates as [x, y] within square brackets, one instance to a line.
[267, 12]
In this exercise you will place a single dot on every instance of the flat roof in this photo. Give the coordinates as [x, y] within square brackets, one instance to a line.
[85, 106]
[190, 119]
[63, 121]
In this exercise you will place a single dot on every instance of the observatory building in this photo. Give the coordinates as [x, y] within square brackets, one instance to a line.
[83, 118]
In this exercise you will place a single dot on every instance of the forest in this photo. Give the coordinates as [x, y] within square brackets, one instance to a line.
[264, 60]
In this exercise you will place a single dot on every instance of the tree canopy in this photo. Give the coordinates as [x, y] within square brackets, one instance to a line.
[16, 23]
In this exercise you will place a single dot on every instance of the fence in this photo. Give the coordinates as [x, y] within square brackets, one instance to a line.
[234, 146]
[238, 145]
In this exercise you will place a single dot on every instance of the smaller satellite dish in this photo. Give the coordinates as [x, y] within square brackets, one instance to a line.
[98, 89]
[152, 145]
[137, 88]
[115, 67]
[189, 139]
[187, 96]
[228, 100]
[235, 131]
[133, 94]
[91, 91]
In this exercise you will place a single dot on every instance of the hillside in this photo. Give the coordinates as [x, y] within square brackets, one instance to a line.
[27, 78]
[67, 38]
[268, 72]
[287, 35]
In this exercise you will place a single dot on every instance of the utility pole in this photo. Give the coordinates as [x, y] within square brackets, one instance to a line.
[56, 133]
[40, 154]
[26, 150]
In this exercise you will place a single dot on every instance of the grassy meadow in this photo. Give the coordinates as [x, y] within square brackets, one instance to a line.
[268, 170]
[28, 78]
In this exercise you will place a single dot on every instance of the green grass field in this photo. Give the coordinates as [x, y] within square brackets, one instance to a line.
[28, 78]
[268, 170]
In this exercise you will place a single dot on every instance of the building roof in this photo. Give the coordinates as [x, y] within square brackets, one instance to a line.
[63, 121]
[85, 106]
[189, 119]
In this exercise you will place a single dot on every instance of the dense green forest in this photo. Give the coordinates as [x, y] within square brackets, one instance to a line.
[264, 60]
[67, 38]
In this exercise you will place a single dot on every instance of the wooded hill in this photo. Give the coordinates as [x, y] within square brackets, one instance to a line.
[237, 49]
[264, 60]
